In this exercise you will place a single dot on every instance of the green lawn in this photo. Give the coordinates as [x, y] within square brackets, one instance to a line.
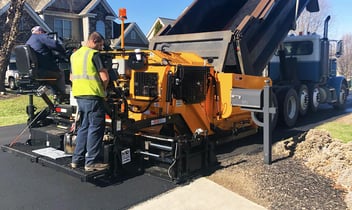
[338, 130]
[13, 110]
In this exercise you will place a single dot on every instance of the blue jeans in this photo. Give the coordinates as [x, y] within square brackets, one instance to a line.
[90, 132]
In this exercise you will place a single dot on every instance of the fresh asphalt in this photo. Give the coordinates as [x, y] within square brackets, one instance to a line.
[26, 185]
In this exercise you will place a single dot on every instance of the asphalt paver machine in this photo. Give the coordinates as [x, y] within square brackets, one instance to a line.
[169, 107]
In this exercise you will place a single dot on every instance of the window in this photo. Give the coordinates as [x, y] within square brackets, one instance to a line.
[12, 66]
[298, 48]
[63, 28]
[100, 27]
[133, 35]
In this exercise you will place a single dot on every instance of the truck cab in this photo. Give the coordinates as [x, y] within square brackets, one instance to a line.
[304, 75]
[304, 48]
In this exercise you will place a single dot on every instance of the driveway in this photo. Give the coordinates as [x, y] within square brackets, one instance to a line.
[25, 185]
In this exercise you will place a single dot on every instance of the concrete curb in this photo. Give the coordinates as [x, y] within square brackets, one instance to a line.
[200, 194]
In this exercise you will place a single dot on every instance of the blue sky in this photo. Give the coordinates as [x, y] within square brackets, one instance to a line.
[341, 17]
[144, 13]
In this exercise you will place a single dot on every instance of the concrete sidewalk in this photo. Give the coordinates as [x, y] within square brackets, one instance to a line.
[200, 194]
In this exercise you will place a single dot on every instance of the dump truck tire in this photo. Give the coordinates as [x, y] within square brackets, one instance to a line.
[341, 98]
[273, 117]
[288, 109]
[303, 99]
[314, 98]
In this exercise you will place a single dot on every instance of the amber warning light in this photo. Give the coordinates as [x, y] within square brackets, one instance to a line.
[122, 13]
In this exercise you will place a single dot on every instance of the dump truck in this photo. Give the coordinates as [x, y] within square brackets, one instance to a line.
[245, 48]
[304, 75]
[168, 107]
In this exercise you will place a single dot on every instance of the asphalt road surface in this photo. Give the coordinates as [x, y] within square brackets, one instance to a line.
[26, 185]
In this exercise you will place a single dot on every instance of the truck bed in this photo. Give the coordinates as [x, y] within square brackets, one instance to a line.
[240, 36]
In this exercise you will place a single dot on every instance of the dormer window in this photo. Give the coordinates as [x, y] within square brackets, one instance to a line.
[133, 35]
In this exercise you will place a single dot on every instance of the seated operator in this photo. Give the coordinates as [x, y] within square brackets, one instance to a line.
[43, 45]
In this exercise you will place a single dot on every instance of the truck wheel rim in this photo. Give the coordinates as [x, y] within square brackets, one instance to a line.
[342, 96]
[291, 108]
[304, 100]
[315, 98]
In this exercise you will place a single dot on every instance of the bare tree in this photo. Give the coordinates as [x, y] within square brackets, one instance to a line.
[345, 61]
[10, 34]
[312, 22]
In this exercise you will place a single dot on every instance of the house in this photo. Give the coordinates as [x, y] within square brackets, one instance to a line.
[134, 37]
[158, 24]
[74, 20]
[28, 20]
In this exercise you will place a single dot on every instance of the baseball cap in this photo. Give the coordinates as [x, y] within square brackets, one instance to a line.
[37, 29]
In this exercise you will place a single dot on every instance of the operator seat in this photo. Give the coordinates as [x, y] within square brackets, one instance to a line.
[27, 65]
[31, 79]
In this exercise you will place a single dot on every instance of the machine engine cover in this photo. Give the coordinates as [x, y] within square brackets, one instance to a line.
[191, 84]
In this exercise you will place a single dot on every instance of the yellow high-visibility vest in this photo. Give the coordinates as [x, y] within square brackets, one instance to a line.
[85, 77]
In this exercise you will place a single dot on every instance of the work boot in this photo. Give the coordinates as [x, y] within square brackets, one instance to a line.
[96, 167]
[75, 165]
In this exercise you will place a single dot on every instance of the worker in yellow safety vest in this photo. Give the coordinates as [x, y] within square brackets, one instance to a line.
[89, 81]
